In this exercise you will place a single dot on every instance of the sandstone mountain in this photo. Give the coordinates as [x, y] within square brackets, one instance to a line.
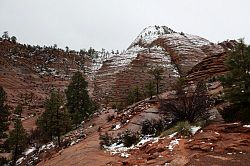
[28, 73]
[35, 70]
[156, 46]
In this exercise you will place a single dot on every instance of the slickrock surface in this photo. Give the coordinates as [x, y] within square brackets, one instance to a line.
[217, 144]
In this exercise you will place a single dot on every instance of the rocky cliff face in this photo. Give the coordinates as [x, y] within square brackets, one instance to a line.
[111, 76]
[156, 46]
[31, 72]
[213, 65]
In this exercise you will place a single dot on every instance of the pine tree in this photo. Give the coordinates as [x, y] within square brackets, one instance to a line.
[17, 140]
[79, 103]
[13, 39]
[150, 89]
[18, 110]
[134, 95]
[157, 74]
[5, 35]
[4, 113]
[236, 82]
[55, 121]
[67, 49]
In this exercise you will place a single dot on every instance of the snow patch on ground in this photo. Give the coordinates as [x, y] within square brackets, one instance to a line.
[123, 151]
[34, 156]
[172, 144]
[118, 126]
[20, 160]
[47, 146]
[172, 135]
[194, 129]
[149, 34]
[248, 126]
[30, 150]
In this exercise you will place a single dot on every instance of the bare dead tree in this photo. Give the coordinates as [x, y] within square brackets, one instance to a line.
[188, 106]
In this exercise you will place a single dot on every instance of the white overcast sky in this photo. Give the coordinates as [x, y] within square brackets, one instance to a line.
[113, 24]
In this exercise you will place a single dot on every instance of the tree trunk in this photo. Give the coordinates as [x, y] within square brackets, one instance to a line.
[16, 149]
[58, 128]
[157, 86]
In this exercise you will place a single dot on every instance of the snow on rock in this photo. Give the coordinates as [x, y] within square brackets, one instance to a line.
[118, 126]
[155, 46]
[47, 146]
[194, 129]
[20, 160]
[75, 142]
[123, 59]
[90, 126]
[117, 149]
[72, 143]
[172, 144]
[99, 58]
[34, 156]
[30, 156]
[172, 135]
[125, 155]
[248, 126]
[146, 37]
[149, 34]
[148, 138]
[123, 151]
[30, 150]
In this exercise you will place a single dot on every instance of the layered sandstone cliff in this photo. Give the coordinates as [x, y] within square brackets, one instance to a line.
[156, 46]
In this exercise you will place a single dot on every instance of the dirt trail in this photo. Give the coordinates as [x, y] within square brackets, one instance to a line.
[87, 152]
[181, 158]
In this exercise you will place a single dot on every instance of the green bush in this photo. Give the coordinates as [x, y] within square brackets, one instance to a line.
[183, 128]
[105, 139]
[168, 132]
[236, 83]
[129, 138]
[189, 105]
[110, 118]
[236, 113]
[3, 161]
[134, 95]
[153, 127]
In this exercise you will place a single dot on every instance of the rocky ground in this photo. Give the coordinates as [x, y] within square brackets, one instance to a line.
[29, 73]
[216, 144]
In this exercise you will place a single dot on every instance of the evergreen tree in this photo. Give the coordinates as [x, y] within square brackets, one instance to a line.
[67, 49]
[3, 161]
[91, 52]
[150, 89]
[4, 113]
[55, 121]
[78, 101]
[55, 46]
[17, 140]
[157, 74]
[134, 95]
[5, 35]
[18, 110]
[83, 51]
[236, 82]
[13, 39]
